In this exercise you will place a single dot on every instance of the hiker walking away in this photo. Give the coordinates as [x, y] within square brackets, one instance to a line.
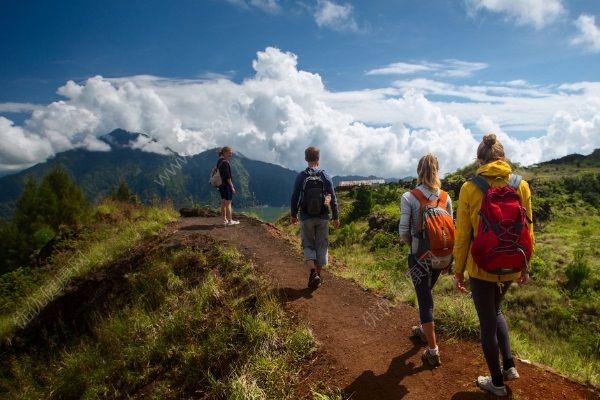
[427, 226]
[313, 195]
[226, 189]
[494, 244]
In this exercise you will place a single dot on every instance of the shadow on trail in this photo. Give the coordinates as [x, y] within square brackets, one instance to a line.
[290, 294]
[387, 385]
[478, 395]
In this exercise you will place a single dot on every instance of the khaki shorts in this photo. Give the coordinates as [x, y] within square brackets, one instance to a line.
[315, 240]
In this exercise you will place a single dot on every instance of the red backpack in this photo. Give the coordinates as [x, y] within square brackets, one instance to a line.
[435, 231]
[503, 244]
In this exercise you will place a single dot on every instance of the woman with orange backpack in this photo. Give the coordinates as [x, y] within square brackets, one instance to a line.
[427, 226]
[494, 243]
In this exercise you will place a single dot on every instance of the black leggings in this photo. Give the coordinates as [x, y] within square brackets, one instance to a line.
[424, 278]
[487, 297]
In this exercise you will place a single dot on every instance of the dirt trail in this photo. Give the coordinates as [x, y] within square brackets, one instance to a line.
[364, 344]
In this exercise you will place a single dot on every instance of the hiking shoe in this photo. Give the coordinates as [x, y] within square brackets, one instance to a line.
[232, 222]
[417, 331]
[510, 374]
[314, 280]
[431, 359]
[485, 383]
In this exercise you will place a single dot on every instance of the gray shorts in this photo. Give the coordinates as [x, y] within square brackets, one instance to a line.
[315, 240]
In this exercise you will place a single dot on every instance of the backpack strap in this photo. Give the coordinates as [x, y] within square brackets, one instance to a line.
[442, 198]
[420, 197]
[514, 181]
[480, 182]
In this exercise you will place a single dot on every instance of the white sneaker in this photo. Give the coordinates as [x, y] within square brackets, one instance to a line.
[485, 383]
[225, 223]
[232, 222]
[417, 331]
[510, 374]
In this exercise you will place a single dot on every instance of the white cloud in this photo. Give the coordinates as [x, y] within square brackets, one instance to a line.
[280, 110]
[538, 13]
[446, 68]
[589, 33]
[268, 6]
[401, 68]
[339, 17]
[517, 105]
[18, 107]
[20, 148]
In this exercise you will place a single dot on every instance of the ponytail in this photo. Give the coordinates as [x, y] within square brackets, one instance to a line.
[428, 172]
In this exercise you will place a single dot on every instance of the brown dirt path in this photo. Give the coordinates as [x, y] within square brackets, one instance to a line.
[364, 344]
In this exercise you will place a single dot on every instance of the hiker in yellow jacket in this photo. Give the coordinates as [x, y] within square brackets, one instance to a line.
[488, 289]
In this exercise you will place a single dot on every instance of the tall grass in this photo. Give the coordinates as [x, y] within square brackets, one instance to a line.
[190, 322]
[554, 319]
[117, 227]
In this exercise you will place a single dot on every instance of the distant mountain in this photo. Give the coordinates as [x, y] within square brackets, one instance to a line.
[184, 180]
[592, 160]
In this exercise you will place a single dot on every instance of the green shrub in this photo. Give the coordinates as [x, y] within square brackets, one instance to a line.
[578, 272]
[363, 204]
[382, 240]
[347, 235]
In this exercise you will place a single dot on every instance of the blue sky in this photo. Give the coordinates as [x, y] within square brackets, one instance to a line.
[406, 74]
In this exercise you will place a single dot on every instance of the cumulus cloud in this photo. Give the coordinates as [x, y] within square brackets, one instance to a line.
[339, 17]
[280, 110]
[446, 68]
[589, 33]
[18, 107]
[537, 13]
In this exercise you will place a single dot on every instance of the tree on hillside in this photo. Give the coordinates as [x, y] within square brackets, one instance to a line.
[124, 194]
[363, 204]
[60, 199]
[39, 213]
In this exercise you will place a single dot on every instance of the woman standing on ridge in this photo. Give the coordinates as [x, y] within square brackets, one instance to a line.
[424, 266]
[494, 252]
[226, 189]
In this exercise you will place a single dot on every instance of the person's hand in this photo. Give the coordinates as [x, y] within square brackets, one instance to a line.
[524, 278]
[336, 223]
[232, 189]
[459, 282]
[294, 220]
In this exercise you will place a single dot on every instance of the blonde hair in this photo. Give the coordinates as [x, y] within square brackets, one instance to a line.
[490, 149]
[311, 154]
[224, 150]
[428, 172]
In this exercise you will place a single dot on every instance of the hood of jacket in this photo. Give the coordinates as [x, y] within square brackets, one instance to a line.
[497, 168]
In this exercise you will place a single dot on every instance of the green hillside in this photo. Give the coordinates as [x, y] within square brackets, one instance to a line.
[117, 313]
[555, 319]
[184, 180]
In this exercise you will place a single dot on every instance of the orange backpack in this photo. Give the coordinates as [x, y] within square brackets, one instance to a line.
[435, 231]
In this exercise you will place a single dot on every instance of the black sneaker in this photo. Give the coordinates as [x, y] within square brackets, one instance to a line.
[433, 360]
[314, 280]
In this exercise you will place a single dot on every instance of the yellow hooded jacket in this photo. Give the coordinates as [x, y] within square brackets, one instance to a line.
[467, 219]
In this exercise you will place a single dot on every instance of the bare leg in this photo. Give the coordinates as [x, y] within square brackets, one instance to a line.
[310, 264]
[228, 211]
[429, 329]
[224, 210]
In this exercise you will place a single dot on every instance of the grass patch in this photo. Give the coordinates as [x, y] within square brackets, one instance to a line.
[117, 227]
[189, 323]
[554, 320]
